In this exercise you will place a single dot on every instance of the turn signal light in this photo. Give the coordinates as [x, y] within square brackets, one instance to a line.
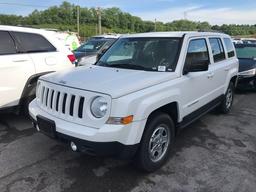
[120, 120]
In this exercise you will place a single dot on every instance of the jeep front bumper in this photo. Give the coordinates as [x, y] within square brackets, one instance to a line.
[121, 140]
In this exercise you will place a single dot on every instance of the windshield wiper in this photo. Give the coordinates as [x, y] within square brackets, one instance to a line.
[129, 66]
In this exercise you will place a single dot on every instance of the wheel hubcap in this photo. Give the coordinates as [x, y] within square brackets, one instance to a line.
[229, 98]
[159, 143]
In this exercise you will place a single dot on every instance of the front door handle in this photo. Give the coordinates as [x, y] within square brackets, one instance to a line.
[210, 75]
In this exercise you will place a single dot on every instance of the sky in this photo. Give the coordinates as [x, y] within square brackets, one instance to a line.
[214, 11]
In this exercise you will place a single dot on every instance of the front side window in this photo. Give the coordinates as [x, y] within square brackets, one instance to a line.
[32, 43]
[197, 51]
[7, 45]
[229, 47]
[149, 54]
[217, 49]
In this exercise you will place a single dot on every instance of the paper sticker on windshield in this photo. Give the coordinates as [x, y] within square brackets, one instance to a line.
[161, 68]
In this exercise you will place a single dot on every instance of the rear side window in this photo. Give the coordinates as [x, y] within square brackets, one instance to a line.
[7, 45]
[229, 47]
[197, 50]
[217, 49]
[33, 43]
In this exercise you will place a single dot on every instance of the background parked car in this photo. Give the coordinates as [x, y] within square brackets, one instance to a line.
[249, 41]
[87, 53]
[246, 54]
[25, 55]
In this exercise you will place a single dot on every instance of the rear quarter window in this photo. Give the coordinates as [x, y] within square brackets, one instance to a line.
[230, 48]
[33, 43]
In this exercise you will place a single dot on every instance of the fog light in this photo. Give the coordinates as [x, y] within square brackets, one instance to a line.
[73, 146]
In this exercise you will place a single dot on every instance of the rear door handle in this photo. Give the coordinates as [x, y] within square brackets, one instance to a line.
[227, 68]
[210, 75]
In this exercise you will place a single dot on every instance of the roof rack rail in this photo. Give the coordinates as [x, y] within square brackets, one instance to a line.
[211, 30]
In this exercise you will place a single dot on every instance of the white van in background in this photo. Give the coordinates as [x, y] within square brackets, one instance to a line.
[69, 39]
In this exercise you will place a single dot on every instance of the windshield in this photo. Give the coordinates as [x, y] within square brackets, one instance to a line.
[149, 54]
[91, 45]
[246, 52]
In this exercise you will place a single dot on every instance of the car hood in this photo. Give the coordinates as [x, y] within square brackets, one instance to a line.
[246, 64]
[112, 81]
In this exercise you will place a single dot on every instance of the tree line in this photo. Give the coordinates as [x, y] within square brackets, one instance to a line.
[114, 20]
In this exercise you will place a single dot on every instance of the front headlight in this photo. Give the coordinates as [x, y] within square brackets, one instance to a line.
[248, 73]
[99, 107]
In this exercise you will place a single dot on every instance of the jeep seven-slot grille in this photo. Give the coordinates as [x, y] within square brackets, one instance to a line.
[61, 102]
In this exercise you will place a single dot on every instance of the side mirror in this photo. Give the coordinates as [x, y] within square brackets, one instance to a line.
[197, 65]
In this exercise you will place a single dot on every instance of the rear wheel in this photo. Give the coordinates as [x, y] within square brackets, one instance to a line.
[227, 102]
[156, 142]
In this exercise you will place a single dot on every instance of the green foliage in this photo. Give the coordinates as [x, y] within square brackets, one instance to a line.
[64, 17]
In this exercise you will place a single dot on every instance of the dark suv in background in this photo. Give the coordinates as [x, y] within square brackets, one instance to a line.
[246, 54]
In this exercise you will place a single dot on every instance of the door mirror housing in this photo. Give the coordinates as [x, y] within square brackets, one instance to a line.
[197, 65]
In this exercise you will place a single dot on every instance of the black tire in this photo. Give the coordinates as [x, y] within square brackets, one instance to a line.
[228, 99]
[143, 159]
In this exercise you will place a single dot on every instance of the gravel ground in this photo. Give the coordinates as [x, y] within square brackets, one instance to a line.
[216, 153]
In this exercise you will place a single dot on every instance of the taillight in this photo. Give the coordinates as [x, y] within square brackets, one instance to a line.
[72, 58]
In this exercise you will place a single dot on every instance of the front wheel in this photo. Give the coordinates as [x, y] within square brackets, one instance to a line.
[156, 142]
[227, 102]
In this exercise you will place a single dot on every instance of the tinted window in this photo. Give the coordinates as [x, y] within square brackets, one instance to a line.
[229, 47]
[32, 43]
[217, 49]
[6, 43]
[197, 50]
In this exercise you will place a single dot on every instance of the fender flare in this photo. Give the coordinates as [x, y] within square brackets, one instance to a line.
[28, 86]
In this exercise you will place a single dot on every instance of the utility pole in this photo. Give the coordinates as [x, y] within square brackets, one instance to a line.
[185, 15]
[78, 19]
[99, 20]
[155, 25]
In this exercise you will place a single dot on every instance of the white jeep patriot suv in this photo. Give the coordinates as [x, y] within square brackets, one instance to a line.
[138, 95]
[25, 55]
